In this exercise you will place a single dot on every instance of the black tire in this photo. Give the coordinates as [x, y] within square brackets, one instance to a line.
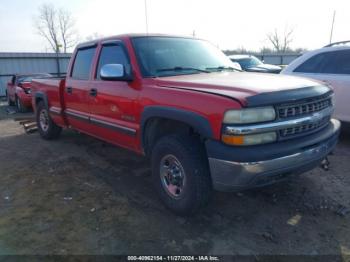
[197, 187]
[50, 130]
[9, 102]
[20, 107]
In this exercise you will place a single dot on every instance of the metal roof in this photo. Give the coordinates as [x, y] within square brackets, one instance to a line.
[33, 55]
[131, 35]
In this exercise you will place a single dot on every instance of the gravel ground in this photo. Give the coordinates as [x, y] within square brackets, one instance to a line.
[78, 195]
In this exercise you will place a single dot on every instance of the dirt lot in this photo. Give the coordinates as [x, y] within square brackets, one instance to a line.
[78, 195]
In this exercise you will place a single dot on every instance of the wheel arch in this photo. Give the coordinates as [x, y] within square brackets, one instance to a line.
[40, 96]
[157, 121]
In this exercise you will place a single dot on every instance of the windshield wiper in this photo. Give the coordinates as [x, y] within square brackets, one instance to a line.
[222, 68]
[180, 68]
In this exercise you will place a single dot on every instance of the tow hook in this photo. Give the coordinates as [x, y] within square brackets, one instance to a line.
[325, 164]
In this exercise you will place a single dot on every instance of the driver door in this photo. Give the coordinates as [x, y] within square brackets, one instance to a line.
[112, 103]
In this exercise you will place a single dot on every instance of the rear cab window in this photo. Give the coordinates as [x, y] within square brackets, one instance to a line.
[83, 63]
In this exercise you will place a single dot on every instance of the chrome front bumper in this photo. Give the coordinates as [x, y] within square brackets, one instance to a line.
[231, 175]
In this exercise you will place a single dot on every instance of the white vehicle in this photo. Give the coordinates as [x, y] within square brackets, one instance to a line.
[330, 64]
[236, 65]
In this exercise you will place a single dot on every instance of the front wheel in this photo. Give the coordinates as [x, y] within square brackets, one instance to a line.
[180, 173]
[47, 128]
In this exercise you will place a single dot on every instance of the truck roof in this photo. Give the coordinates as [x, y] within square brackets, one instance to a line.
[130, 35]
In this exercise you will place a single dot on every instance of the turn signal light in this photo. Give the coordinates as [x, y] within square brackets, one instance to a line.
[233, 140]
[248, 140]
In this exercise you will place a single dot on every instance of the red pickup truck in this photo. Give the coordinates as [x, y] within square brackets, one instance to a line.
[203, 124]
[18, 91]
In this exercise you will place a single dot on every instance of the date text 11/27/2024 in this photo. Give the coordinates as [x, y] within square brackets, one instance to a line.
[173, 258]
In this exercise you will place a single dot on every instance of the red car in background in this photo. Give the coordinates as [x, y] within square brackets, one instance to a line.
[18, 90]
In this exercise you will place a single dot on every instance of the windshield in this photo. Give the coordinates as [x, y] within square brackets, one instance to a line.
[166, 56]
[29, 78]
[249, 62]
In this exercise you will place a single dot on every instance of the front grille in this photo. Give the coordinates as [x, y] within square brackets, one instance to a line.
[300, 109]
[304, 108]
[304, 129]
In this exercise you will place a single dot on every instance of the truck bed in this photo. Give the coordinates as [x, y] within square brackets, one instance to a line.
[53, 88]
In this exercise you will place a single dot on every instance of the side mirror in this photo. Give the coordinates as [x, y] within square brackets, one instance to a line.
[114, 72]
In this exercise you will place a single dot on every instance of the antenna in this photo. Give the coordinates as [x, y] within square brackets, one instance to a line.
[330, 39]
[146, 16]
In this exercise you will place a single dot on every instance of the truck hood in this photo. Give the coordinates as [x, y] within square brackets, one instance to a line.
[243, 86]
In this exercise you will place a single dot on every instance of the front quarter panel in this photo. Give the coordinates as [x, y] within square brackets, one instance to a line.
[207, 106]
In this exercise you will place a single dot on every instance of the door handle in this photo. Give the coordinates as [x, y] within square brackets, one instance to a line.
[69, 89]
[93, 92]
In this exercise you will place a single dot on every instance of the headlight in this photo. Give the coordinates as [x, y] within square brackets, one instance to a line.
[249, 115]
[249, 140]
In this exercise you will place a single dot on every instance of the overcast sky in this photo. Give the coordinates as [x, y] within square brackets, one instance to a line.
[228, 24]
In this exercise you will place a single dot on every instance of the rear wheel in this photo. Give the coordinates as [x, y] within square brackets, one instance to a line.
[47, 128]
[180, 173]
[20, 107]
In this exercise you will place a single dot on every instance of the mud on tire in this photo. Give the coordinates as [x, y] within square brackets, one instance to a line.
[47, 128]
[184, 155]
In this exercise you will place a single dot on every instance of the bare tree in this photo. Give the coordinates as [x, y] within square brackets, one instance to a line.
[287, 39]
[281, 43]
[274, 40]
[266, 50]
[47, 27]
[68, 33]
[57, 27]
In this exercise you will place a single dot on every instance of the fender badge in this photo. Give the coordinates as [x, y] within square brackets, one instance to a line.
[114, 108]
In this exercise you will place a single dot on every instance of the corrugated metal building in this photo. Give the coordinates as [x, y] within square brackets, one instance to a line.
[272, 58]
[23, 63]
[278, 58]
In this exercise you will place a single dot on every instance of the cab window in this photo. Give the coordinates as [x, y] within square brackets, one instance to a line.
[317, 64]
[336, 62]
[343, 62]
[112, 54]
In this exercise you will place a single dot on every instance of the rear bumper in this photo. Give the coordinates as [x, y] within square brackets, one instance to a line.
[231, 172]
